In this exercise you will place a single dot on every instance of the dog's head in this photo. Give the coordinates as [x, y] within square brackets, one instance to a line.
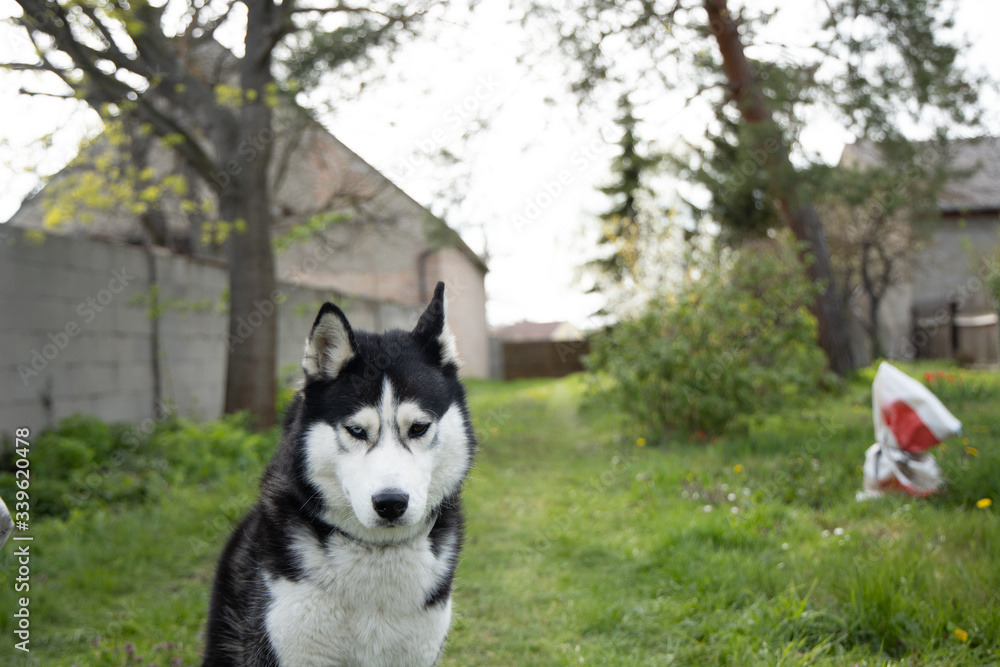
[386, 434]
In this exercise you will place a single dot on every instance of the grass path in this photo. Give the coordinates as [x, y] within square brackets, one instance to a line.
[585, 548]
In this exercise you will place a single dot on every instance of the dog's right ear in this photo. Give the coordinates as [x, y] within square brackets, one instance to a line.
[330, 345]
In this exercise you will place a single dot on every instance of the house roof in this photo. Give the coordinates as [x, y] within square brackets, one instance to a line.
[980, 190]
[295, 126]
[121, 225]
[977, 161]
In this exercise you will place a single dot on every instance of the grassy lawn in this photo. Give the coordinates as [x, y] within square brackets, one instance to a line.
[588, 545]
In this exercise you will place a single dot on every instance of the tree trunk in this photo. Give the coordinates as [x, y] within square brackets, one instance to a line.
[251, 382]
[253, 337]
[873, 305]
[800, 215]
[874, 299]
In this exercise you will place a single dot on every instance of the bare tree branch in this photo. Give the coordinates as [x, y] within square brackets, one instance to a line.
[38, 93]
[26, 67]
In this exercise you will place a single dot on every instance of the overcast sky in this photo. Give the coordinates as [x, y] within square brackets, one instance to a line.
[528, 180]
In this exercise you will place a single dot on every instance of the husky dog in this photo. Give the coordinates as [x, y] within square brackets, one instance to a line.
[349, 554]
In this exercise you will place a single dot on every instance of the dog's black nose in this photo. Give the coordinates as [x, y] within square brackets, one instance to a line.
[391, 504]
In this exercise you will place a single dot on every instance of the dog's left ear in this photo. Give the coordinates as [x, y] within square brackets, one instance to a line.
[330, 345]
[434, 335]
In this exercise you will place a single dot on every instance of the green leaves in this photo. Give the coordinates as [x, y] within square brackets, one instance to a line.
[313, 227]
[737, 342]
[621, 225]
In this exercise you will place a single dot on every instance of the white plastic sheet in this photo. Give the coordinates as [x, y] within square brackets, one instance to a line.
[909, 421]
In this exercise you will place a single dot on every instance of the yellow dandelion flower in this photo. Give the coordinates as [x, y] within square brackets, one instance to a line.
[983, 503]
[641, 442]
[961, 634]
[944, 446]
[971, 451]
[738, 468]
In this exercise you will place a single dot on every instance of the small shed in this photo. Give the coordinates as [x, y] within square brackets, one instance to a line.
[944, 310]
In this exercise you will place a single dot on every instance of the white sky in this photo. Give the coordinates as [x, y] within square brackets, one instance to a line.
[538, 159]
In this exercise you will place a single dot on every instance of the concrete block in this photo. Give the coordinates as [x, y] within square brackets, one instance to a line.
[94, 256]
[198, 349]
[129, 319]
[86, 405]
[82, 254]
[132, 263]
[94, 347]
[17, 345]
[44, 331]
[14, 273]
[27, 382]
[193, 325]
[18, 277]
[70, 283]
[134, 376]
[16, 385]
[205, 375]
[123, 407]
[81, 379]
[81, 348]
[135, 347]
[22, 414]
[37, 314]
[54, 250]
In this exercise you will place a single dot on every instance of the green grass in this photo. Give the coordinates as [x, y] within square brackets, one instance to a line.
[585, 548]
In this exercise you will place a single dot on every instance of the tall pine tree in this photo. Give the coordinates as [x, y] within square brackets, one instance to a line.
[627, 226]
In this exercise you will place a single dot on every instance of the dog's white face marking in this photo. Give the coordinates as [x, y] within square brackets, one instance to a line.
[383, 469]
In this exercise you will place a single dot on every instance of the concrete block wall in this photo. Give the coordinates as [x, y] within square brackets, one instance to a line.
[64, 331]
[75, 335]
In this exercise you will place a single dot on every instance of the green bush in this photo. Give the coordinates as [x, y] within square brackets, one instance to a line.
[70, 464]
[736, 342]
[84, 462]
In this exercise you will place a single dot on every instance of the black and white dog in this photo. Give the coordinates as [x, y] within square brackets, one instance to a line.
[349, 555]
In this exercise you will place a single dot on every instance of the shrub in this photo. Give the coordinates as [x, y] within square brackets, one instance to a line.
[736, 342]
[70, 465]
[84, 462]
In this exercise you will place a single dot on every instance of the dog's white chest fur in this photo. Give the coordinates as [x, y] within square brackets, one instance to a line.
[358, 605]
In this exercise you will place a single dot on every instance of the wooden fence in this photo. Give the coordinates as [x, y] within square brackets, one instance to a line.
[543, 358]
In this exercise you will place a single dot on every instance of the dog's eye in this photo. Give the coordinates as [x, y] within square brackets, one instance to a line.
[357, 432]
[418, 429]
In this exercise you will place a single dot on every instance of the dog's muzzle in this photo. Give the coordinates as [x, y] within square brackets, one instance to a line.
[390, 504]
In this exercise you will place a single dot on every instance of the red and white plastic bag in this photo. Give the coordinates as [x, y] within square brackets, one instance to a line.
[909, 421]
